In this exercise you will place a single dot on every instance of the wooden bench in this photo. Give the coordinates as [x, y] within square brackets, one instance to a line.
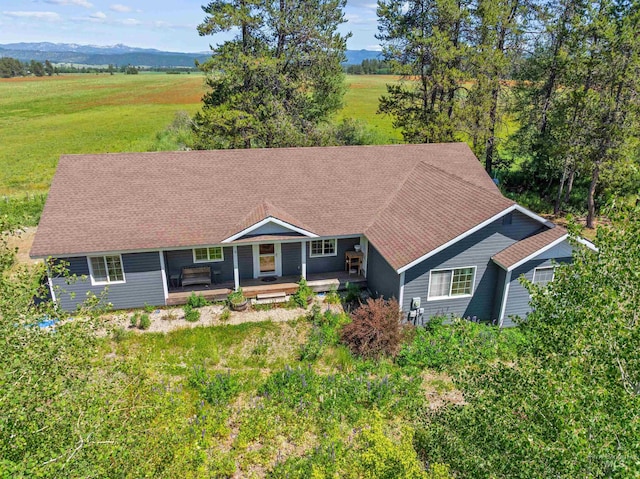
[198, 275]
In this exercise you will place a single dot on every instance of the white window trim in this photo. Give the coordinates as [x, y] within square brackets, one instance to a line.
[458, 296]
[535, 270]
[208, 260]
[324, 255]
[102, 283]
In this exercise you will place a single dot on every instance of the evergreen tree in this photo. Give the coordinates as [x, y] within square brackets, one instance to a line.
[423, 41]
[580, 97]
[278, 79]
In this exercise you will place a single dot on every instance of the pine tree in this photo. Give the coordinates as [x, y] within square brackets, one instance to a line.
[423, 43]
[278, 79]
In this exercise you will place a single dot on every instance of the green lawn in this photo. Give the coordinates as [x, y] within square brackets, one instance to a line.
[43, 118]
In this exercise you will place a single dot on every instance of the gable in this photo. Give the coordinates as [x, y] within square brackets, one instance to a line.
[271, 228]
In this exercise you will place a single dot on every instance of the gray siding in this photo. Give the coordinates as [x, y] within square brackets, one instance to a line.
[330, 263]
[474, 250]
[245, 261]
[518, 297]
[382, 279]
[291, 259]
[143, 283]
[178, 259]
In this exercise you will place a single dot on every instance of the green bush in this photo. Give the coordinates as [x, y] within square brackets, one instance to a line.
[18, 212]
[332, 296]
[325, 331]
[350, 394]
[225, 315]
[236, 297]
[462, 343]
[218, 390]
[145, 321]
[191, 315]
[304, 292]
[149, 308]
[133, 320]
[354, 294]
[197, 301]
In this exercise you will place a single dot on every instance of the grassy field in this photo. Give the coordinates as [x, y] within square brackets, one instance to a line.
[43, 118]
[361, 103]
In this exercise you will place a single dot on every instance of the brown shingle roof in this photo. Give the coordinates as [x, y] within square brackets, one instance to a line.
[528, 246]
[146, 201]
[431, 208]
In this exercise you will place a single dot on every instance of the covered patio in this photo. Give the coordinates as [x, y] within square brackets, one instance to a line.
[318, 282]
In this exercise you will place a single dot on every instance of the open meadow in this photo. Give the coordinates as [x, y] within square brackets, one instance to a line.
[43, 118]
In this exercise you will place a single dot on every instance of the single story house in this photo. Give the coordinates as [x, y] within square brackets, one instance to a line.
[431, 227]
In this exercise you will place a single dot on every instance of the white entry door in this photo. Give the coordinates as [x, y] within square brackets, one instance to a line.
[267, 260]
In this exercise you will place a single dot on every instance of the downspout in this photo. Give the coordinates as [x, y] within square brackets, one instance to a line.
[50, 283]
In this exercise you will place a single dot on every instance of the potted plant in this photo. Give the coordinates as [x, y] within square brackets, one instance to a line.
[304, 296]
[237, 301]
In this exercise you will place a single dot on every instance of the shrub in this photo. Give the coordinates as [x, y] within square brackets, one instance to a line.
[236, 297]
[133, 320]
[145, 322]
[169, 316]
[197, 301]
[459, 344]
[217, 390]
[224, 316]
[149, 308]
[303, 293]
[353, 293]
[191, 315]
[332, 296]
[375, 330]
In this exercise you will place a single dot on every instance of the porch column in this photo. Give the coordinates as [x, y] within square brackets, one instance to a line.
[304, 260]
[236, 272]
[163, 272]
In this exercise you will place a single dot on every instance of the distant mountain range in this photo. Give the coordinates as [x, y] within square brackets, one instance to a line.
[124, 55]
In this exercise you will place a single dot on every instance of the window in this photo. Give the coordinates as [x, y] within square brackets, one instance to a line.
[106, 269]
[325, 247]
[543, 276]
[451, 283]
[206, 255]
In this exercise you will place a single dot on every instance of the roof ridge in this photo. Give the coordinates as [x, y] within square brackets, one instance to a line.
[390, 198]
[460, 178]
[427, 165]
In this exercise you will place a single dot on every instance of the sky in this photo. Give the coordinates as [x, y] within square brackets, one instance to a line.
[162, 24]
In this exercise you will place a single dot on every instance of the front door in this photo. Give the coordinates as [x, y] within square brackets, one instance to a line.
[266, 259]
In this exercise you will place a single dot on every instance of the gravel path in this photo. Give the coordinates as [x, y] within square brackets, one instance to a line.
[169, 319]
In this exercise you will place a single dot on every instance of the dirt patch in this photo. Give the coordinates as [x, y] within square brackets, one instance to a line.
[440, 390]
[23, 239]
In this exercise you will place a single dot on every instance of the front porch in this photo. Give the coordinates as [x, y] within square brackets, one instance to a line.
[318, 282]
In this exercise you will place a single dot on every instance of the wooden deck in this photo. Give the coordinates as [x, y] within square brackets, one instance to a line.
[321, 282]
